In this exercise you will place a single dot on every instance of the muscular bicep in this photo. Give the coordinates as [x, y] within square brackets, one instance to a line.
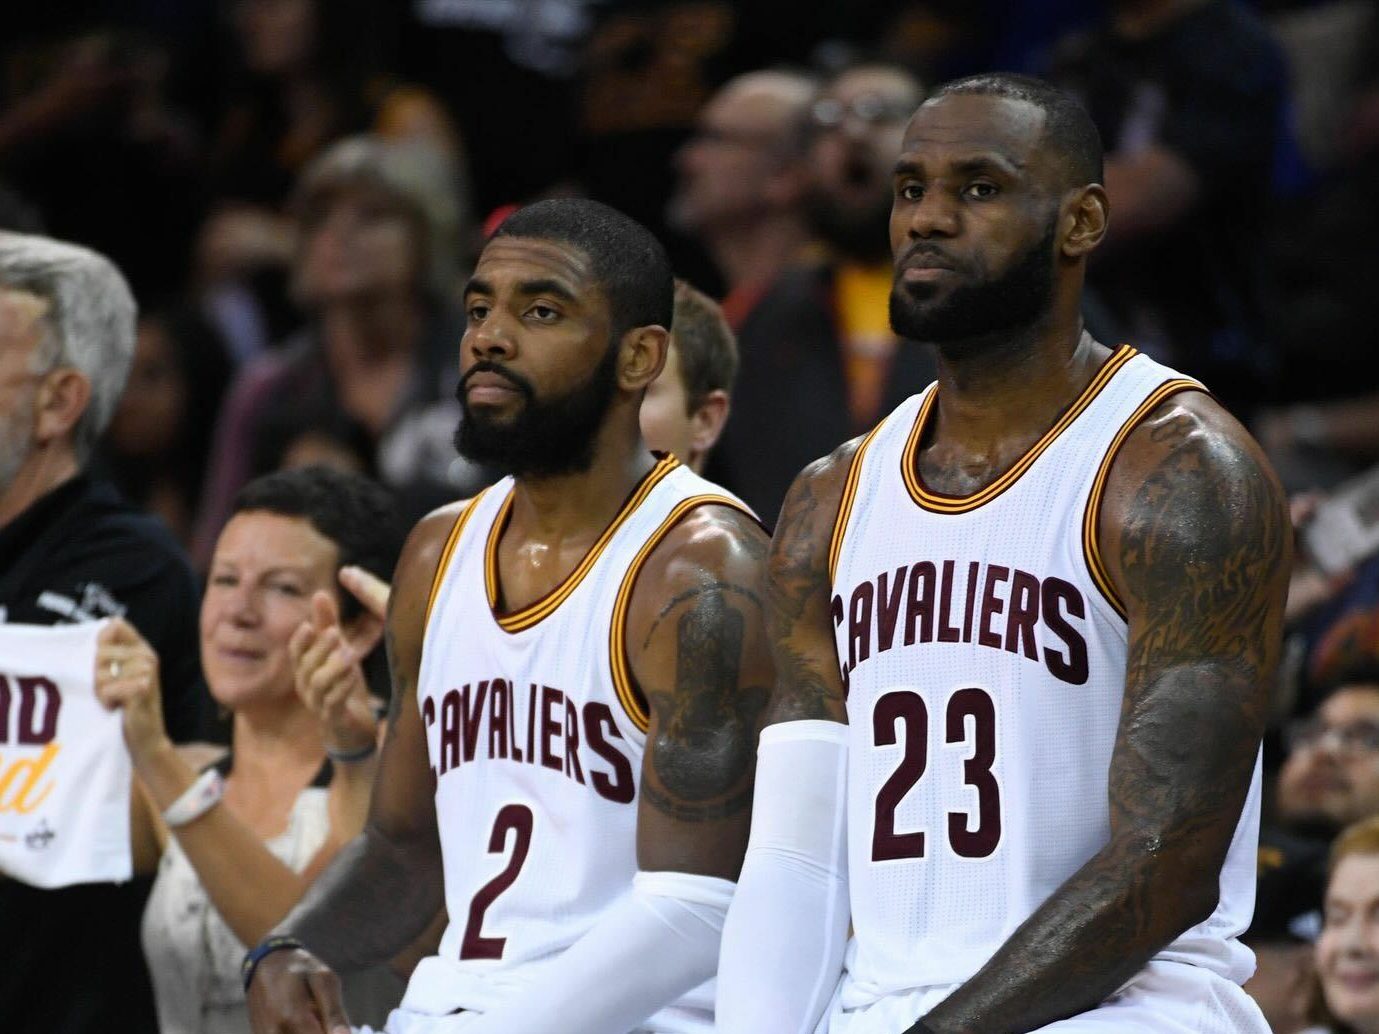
[401, 806]
[1196, 537]
[697, 644]
[809, 683]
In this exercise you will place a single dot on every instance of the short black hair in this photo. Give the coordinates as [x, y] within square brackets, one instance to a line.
[354, 512]
[629, 262]
[1068, 126]
[705, 344]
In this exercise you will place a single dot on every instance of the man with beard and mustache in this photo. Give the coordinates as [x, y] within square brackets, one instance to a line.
[819, 361]
[1026, 631]
[583, 659]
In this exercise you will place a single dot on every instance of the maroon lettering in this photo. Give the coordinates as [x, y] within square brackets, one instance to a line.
[572, 742]
[967, 613]
[991, 605]
[428, 718]
[1072, 666]
[40, 703]
[512, 722]
[919, 603]
[519, 819]
[908, 708]
[947, 632]
[888, 608]
[976, 704]
[450, 730]
[531, 725]
[471, 717]
[550, 726]
[498, 719]
[859, 625]
[621, 788]
[1024, 613]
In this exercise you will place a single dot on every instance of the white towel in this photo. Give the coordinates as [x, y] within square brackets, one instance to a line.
[64, 770]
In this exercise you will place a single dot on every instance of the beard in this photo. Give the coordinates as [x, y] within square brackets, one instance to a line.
[546, 438]
[978, 309]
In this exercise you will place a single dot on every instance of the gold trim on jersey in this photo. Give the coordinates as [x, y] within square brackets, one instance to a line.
[835, 545]
[1091, 518]
[520, 620]
[453, 540]
[633, 702]
[936, 503]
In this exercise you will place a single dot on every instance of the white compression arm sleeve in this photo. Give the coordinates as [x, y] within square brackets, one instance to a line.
[783, 943]
[658, 942]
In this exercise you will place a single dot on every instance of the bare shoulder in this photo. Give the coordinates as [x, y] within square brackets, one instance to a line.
[711, 541]
[412, 581]
[1194, 526]
[811, 505]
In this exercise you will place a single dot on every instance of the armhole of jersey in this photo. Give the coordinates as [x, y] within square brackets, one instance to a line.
[629, 693]
[1091, 518]
[840, 522]
[461, 519]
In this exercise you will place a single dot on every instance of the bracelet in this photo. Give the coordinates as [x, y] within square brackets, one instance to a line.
[349, 757]
[264, 948]
[196, 799]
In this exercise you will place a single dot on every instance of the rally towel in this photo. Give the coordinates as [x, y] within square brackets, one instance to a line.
[64, 771]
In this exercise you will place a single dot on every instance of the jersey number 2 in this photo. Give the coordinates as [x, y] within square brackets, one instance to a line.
[518, 818]
[903, 707]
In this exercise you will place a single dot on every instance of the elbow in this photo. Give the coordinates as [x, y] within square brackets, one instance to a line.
[1180, 871]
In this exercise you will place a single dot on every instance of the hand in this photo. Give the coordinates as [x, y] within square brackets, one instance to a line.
[330, 678]
[370, 590]
[127, 678]
[294, 992]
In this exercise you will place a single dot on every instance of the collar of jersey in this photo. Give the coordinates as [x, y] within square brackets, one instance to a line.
[525, 618]
[938, 503]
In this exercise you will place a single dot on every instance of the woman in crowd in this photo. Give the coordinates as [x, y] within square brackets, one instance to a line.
[236, 846]
[1348, 948]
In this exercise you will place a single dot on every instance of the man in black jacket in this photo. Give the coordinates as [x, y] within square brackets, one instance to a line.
[71, 550]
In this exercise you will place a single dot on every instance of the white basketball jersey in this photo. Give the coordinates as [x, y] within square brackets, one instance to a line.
[984, 652]
[535, 732]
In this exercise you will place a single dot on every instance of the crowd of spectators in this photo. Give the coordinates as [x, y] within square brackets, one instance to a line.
[294, 190]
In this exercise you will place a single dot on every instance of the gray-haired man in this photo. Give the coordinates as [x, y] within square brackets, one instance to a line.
[71, 550]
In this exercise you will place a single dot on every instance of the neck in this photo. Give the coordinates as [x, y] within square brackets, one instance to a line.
[756, 252]
[45, 468]
[571, 505]
[377, 327]
[1014, 386]
[277, 734]
[1137, 19]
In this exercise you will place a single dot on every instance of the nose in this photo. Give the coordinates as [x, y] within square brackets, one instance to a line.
[243, 606]
[934, 215]
[492, 339]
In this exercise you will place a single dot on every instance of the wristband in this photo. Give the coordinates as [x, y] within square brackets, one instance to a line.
[349, 757]
[264, 948]
[196, 799]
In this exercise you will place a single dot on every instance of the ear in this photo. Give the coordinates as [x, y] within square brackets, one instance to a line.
[641, 355]
[62, 398]
[707, 421]
[1084, 221]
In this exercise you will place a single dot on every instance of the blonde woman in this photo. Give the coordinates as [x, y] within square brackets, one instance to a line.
[1348, 948]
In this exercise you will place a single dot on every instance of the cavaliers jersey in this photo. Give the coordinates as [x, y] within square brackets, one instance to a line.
[535, 732]
[983, 650]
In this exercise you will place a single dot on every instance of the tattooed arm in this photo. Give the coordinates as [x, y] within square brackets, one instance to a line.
[385, 887]
[1196, 536]
[697, 648]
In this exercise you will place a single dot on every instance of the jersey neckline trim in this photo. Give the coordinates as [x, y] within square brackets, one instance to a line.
[936, 502]
[534, 613]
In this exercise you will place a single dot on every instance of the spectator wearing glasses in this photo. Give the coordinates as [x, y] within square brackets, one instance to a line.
[1330, 777]
[819, 359]
[741, 183]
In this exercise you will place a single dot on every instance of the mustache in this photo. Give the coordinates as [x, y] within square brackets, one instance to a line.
[489, 366]
[926, 249]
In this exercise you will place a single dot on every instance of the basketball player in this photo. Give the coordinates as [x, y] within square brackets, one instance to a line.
[1024, 631]
[581, 654]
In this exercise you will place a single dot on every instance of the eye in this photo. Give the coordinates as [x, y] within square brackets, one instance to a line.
[477, 312]
[544, 313]
[224, 580]
[910, 191]
[982, 190]
[286, 588]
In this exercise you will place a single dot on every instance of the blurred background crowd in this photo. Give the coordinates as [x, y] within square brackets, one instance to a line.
[295, 190]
